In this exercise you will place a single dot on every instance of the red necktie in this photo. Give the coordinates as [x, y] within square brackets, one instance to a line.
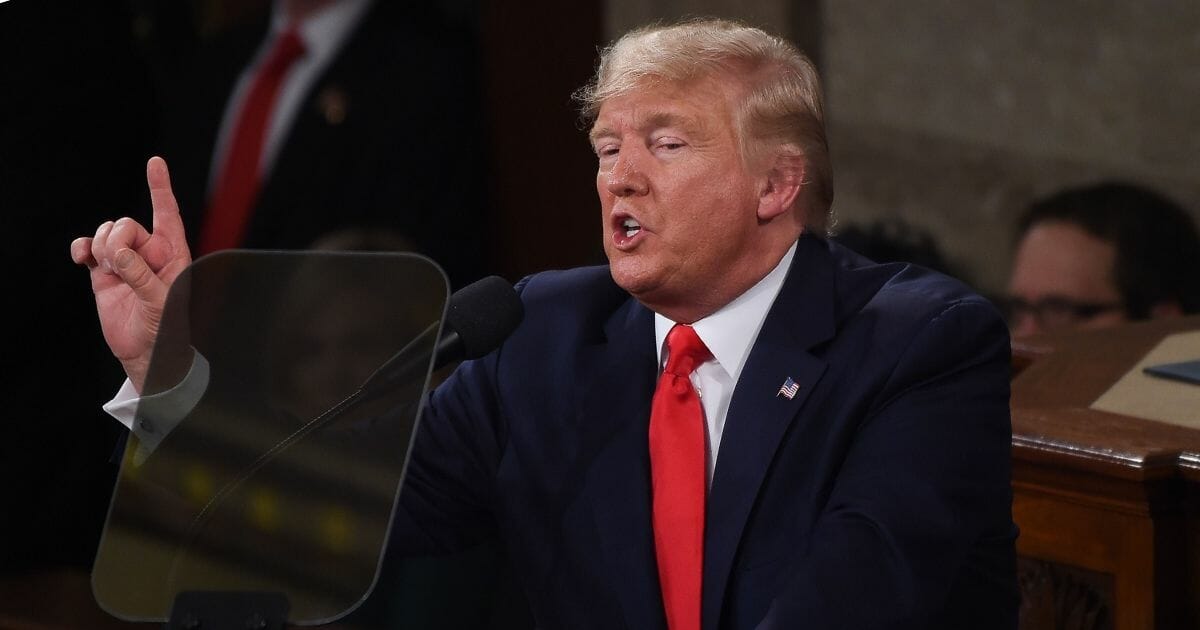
[237, 187]
[677, 453]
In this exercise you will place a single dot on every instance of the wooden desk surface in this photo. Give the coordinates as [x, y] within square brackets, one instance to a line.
[1064, 374]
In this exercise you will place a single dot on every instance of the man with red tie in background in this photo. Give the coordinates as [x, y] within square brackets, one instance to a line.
[735, 423]
[327, 116]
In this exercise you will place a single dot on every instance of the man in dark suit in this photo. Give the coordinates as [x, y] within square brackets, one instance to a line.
[371, 129]
[827, 444]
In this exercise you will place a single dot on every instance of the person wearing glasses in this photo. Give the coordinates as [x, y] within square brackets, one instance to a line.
[1101, 254]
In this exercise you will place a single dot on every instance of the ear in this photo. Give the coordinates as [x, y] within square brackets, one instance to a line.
[781, 185]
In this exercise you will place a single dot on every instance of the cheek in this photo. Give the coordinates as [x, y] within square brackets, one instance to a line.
[720, 217]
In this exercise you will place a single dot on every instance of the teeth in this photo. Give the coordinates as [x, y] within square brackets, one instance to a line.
[631, 227]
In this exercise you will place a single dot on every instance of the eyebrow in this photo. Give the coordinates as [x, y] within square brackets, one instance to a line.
[653, 120]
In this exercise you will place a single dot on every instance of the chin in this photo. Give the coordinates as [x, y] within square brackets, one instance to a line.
[648, 288]
[632, 283]
[634, 278]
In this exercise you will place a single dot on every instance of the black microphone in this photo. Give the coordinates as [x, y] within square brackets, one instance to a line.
[479, 317]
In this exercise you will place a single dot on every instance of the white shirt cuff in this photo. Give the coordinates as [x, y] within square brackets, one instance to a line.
[152, 417]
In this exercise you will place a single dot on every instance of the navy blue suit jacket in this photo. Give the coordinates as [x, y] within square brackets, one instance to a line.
[878, 497]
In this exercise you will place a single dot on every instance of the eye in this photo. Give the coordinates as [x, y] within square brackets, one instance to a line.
[606, 149]
[669, 144]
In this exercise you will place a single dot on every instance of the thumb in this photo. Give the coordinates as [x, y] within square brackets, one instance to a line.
[134, 271]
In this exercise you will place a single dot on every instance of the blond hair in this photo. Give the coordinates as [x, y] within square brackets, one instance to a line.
[781, 105]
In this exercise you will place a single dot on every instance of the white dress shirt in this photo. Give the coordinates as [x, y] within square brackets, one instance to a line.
[161, 412]
[729, 334]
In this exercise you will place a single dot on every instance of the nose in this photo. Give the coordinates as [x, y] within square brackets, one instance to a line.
[627, 178]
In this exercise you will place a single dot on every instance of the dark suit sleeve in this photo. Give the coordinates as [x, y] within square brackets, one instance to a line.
[447, 498]
[918, 528]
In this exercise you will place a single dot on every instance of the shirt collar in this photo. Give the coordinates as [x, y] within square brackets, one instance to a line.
[730, 332]
[323, 31]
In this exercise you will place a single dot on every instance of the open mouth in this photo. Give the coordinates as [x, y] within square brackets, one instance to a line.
[625, 231]
[631, 226]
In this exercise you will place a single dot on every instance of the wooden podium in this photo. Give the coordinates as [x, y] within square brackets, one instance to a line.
[1108, 504]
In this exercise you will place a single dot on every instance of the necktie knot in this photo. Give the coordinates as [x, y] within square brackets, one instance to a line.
[685, 350]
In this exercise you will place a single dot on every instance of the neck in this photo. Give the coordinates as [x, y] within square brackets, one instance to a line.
[740, 278]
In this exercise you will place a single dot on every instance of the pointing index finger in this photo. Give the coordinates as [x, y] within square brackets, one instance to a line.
[166, 222]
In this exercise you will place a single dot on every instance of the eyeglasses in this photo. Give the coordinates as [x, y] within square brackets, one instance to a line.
[1055, 312]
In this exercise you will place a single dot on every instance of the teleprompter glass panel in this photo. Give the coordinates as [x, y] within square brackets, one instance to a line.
[259, 463]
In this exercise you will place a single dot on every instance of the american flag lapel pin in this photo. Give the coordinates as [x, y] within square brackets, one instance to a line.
[788, 389]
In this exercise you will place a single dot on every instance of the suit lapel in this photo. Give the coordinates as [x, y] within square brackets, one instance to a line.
[615, 420]
[759, 414]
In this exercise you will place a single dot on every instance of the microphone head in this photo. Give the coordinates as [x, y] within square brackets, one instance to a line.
[483, 314]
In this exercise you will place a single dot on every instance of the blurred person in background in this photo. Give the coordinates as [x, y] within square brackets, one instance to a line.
[1099, 255]
[384, 123]
[308, 117]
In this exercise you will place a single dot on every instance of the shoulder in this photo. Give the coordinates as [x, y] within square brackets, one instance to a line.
[899, 320]
[567, 315]
[585, 297]
[902, 296]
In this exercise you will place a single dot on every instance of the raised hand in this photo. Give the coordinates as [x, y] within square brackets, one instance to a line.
[131, 270]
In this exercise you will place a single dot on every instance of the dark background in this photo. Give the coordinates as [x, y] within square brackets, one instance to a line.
[81, 112]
